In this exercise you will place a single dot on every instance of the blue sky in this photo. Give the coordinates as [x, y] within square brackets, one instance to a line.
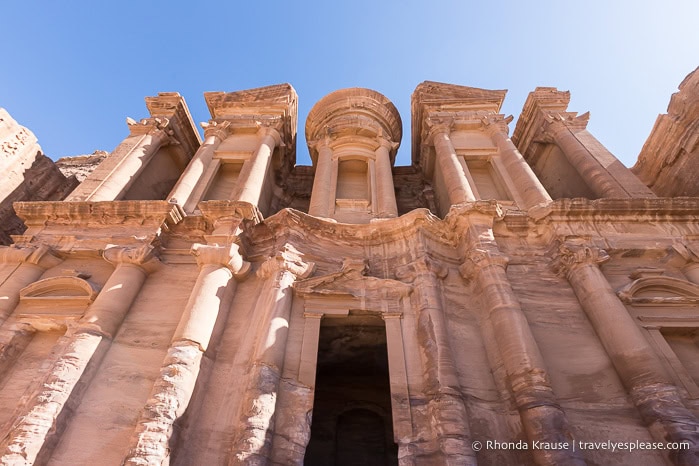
[73, 71]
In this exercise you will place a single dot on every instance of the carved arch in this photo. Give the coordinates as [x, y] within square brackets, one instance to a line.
[59, 289]
[653, 291]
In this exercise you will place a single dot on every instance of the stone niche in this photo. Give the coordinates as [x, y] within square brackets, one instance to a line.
[353, 135]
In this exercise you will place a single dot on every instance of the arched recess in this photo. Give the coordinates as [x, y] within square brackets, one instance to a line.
[668, 310]
[53, 301]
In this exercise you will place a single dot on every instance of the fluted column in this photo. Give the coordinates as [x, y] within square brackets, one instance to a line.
[542, 417]
[37, 430]
[31, 263]
[253, 441]
[215, 133]
[638, 366]
[455, 180]
[252, 182]
[152, 133]
[384, 180]
[445, 400]
[600, 181]
[322, 196]
[525, 181]
[173, 389]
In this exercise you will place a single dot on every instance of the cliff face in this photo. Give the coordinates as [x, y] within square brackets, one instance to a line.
[81, 165]
[669, 160]
[28, 175]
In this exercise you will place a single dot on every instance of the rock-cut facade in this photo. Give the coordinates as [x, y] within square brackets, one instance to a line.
[514, 296]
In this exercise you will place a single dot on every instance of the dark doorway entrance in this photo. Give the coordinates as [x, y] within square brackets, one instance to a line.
[352, 422]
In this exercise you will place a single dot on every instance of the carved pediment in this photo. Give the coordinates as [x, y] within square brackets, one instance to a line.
[657, 290]
[352, 282]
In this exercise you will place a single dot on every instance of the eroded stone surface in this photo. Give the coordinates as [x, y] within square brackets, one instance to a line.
[223, 306]
[669, 160]
[27, 175]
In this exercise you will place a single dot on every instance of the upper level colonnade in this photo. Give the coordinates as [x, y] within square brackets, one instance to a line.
[461, 152]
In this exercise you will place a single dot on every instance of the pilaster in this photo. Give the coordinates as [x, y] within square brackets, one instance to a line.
[179, 372]
[43, 420]
[642, 373]
[30, 263]
[543, 419]
[442, 387]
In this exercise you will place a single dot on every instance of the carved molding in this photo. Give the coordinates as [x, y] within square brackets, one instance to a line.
[653, 291]
[555, 123]
[156, 126]
[496, 123]
[219, 129]
[143, 256]
[480, 257]
[288, 259]
[424, 265]
[40, 255]
[226, 255]
[570, 256]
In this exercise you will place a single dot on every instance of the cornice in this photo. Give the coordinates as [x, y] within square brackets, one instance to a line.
[106, 212]
[376, 232]
[434, 97]
[641, 209]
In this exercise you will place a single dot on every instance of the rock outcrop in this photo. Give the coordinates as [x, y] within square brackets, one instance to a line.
[669, 160]
[28, 175]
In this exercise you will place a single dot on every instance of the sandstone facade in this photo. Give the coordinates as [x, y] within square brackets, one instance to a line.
[210, 302]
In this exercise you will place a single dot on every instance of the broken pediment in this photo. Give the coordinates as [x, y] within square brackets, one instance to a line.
[51, 302]
[352, 282]
[658, 290]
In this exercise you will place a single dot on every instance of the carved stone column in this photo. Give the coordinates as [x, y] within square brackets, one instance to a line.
[152, 133]
[37, 430]
[458, 188]
[173, 389]
[215, 133]
[253, 441]
[31, 262]
[252, 182]
[638, 366]
[384, 180]
[322, 196]
[442, 388]
[600, 181]
[542, 417]
[525, 181]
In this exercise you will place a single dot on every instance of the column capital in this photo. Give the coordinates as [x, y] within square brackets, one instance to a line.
[155, 126]
[224, 255]
[40, 255]
[480, 257]
[423, 265]
[391, 315]
[267, 129]
[387, 143]
[496, 124]
[555, 123]
[219, 129]
[571, 256]
[437, 125]
[143, 256]
[289, 260]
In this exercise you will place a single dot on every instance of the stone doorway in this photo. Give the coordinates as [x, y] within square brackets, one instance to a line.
[352, 423]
